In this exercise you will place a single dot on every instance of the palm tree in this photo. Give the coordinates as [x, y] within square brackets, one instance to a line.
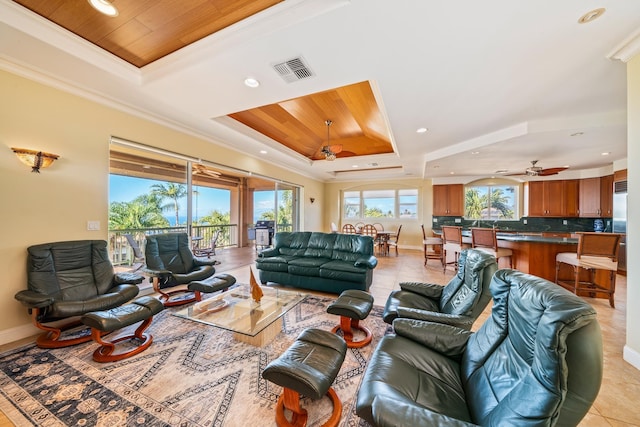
[500, 201]
[142, 212]
[173, 192]
[474, 204]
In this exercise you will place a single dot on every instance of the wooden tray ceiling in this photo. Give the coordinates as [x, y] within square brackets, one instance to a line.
[146, 30]
[299, 124]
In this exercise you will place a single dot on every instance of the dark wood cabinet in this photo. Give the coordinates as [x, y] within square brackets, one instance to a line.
[448, 200]
[558, 198]
[596, 197]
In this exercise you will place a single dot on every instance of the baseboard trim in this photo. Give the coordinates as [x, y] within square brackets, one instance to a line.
[18, 333]
[631, 356]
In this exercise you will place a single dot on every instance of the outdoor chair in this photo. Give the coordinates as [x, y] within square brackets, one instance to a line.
[69, 279]
[211, 249]
[138, 256]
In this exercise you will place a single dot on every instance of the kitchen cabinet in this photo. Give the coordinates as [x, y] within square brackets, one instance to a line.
[596, 197]
[448, 200]
[558, 198]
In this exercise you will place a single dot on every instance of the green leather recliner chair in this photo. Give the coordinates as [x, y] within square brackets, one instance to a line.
[459, 303]
[536, 361]
[171, 263]
[69, 279]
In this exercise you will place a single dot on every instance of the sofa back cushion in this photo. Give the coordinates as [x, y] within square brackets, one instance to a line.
[291, 243]
[320, 245]
[540, 354]
[350, 247]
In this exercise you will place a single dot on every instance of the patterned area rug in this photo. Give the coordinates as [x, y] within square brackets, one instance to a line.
[192, 375]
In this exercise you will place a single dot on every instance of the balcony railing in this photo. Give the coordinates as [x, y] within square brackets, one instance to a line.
[121, 252]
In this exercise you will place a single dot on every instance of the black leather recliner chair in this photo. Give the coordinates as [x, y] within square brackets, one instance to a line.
[69, 279]
[537, 361]
[459, 303]
[171, 263]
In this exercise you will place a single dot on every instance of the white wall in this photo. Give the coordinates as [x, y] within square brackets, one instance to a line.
[632, 347]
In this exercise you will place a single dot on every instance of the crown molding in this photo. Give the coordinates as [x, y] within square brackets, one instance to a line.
[626, 50]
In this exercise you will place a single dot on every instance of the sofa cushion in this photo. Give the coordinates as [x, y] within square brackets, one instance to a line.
[276, 263]
[343, 271]
[320, 245]
[307, 266]
[350, 247]
[292, 244]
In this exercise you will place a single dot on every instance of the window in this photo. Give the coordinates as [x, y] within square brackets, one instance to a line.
[491, 202]
[408, 203]
[370, 204]
[352, 204]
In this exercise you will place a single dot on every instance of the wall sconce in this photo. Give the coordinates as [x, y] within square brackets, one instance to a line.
[35, 159]
[312, 199]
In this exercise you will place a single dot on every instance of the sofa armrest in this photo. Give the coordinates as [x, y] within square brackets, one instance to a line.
[429, 290]
[390, 412]
[33, 299]
[268, 252]
[464, 322]
[368, 262]
[447, 340]
[130, 278]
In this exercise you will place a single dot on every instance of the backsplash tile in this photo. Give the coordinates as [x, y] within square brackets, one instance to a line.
[533, 224]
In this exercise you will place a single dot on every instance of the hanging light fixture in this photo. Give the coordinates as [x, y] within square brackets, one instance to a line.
[330, 151]
[36, 160]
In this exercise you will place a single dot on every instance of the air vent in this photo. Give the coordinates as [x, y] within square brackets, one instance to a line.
[620, 186]
[293, 70]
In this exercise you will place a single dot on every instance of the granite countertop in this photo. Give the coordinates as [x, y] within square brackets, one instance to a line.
[516, 237]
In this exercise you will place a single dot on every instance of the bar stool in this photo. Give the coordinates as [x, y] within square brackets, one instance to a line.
[452, 242]
[433, 247]
[485, 240]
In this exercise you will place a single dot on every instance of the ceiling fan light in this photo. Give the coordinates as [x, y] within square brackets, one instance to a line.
[105, 7]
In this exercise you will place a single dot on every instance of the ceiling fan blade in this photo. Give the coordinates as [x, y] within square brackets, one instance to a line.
[551, 171]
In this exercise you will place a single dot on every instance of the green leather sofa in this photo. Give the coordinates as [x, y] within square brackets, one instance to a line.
[536, 361]
[327, 262]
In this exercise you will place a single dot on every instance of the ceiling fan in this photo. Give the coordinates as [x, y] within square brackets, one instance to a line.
[198, 169]
[538, 171]
[330, 151]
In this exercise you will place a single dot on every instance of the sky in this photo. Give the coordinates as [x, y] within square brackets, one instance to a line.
[125, 189]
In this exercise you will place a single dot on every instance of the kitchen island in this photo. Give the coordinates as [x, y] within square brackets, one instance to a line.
[533, 254]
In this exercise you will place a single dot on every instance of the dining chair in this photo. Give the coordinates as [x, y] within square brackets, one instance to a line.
[452, 242]
[393, 243]
[349, 229]
[378, 226]
[597, 252]
[485, 240]
[432, 247]
[370, 230]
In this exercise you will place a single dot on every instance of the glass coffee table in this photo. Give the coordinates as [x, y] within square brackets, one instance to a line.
[236, 311]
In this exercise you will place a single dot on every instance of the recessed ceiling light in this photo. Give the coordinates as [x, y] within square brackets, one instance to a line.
[251, 82]
[475, 152]
[354, 166]
[105, 7]
[422, 130]
[263, 151]
[452, 173]
[606, 153]
[591, 15]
